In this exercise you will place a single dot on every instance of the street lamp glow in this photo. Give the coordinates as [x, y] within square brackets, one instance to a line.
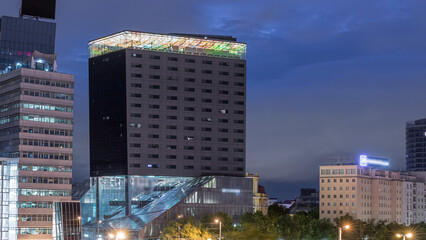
[216, 220]
[111, 235]
[346, 227]
[121, 235]
[408, 235]
[79, 218]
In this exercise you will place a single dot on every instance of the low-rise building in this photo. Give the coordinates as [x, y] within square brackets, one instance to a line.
[307, 201]
[366, 193]
[260, 198]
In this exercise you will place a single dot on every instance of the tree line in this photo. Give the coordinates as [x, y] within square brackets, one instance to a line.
[278, 224]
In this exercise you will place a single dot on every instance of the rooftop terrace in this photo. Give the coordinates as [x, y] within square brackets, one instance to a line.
[182, 44]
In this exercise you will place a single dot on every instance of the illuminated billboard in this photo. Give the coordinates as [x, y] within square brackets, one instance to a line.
[39, 8]
[365, 161]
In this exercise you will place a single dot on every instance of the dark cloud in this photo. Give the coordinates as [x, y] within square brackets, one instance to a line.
[324, 77]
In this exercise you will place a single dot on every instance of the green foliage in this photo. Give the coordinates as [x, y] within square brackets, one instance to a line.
[185, 229]
[278, 224]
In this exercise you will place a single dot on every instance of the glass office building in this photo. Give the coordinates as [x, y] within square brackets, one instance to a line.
[20, 37]
[415, 145]
[141, 206]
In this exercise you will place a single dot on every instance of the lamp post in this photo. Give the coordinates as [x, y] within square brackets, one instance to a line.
[220, 228]
[99, 222]
[346, 227]
[408, 235]
[79, 226]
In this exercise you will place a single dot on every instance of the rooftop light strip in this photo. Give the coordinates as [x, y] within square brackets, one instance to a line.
[167, 43]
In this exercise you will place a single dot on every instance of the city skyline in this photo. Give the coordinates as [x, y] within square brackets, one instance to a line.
[335, 90]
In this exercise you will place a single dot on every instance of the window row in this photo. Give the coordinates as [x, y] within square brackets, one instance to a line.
[338, 196]
[335, 180]
[340, 204]
[46, 119]
[46, 180]
[188, 167]
[335, 188]
[189, 148]
[171, 117]
[185, 157]
[47, 131]
[203, 158]
[338, 171]
[43, 192]
[35, 205]
[51, 83]
[56, 156]
[35, 218]
[188, 70]
[46, 143]
[36, 93]
[44, 168]
[41, 106]
[190, 60]
[34, 231]
[188, 138]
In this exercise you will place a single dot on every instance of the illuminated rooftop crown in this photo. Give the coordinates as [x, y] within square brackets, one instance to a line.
[219, 46]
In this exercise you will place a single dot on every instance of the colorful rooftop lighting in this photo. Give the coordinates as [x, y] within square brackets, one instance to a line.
[167, 43]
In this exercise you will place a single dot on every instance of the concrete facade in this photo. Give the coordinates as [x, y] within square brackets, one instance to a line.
[371, 194]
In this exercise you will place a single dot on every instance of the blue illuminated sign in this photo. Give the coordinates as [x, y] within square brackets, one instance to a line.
[365, 160]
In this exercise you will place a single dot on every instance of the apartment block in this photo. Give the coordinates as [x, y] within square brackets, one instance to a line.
[361, 192]
[413, 199]
[36, 129]
[367, 193]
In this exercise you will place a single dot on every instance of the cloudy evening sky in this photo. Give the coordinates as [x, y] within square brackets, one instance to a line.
[324, 77]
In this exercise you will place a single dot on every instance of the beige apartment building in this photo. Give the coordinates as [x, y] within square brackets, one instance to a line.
[361, 192]
[366, 193]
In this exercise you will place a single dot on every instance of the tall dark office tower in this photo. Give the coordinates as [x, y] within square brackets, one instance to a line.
[415, 145]
[167, 105]
[20, 37]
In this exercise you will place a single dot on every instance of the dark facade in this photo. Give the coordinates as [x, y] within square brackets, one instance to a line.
[166, 113]
[20, 37]
[415, 145]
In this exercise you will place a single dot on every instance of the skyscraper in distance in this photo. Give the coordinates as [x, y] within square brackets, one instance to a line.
[20, 37]
[415, 145]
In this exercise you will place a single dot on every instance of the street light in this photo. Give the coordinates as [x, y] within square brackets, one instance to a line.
[99, 222]
[120, 235]
[111, 236]
[79, 226]
[408, 235]
[346, 227]
[220, 228]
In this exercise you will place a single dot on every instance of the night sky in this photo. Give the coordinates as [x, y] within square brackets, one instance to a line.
[324, 77]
